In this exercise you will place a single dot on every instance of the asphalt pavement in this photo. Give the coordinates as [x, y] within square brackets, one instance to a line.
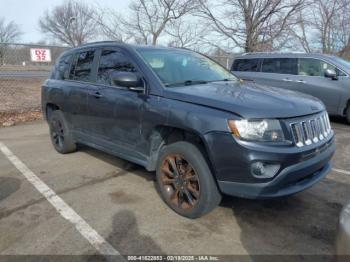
[119, 202]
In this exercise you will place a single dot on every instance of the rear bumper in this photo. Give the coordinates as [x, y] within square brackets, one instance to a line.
[297, 172]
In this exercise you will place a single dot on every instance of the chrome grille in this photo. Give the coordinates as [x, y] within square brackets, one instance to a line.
[312, 130]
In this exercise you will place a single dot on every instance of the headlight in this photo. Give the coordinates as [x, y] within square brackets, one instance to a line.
[264, 130]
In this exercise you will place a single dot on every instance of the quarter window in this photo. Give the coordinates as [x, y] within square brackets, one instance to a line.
[81, 71]
[111, 61]
[249, 65]
[61, 71]
[280, 65]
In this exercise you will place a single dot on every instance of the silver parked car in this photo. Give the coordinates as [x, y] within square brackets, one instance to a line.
[323, 76]
[343, 237]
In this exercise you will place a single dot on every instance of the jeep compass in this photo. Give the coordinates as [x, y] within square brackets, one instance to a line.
[180, 114]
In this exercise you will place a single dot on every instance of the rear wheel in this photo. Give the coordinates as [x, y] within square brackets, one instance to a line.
[185, 181]
[60, 134]
[347, 115]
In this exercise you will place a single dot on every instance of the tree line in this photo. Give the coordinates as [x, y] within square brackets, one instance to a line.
[230, 25]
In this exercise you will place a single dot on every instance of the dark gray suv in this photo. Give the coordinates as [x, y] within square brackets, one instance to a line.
[323, 76]
[180, 114]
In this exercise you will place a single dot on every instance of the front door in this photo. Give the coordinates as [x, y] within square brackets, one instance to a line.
[311, 80]
[114, 111]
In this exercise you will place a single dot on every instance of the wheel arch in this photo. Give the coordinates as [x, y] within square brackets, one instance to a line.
[347, 105]
[49, 108]
[164, 135]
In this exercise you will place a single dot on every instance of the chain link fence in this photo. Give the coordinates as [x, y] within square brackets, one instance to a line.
[21, 77]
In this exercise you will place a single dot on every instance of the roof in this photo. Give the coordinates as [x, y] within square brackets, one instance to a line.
[120, 44]
[282, 55]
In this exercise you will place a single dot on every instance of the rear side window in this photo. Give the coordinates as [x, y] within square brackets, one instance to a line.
[81, 70]
[61, 71]
[280, 65]
[111, 61]
[249, 65]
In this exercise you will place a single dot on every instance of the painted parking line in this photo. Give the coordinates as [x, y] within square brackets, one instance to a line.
[91, 235]
[341, 171]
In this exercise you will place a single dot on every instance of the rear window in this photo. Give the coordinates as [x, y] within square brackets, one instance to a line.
[249, 65]
[280, 65]
[81, 70]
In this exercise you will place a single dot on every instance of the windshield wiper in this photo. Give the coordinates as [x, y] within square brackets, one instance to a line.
[187, 83]
[225, 80]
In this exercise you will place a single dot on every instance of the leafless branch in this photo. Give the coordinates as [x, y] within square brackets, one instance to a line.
[71, 23]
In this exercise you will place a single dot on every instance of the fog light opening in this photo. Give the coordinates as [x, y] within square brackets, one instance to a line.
[264, 170]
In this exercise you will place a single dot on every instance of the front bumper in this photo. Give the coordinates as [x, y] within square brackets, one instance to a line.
[300, 168]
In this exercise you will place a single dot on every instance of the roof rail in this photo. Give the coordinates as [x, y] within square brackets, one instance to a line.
[102, 42]
[274, 52]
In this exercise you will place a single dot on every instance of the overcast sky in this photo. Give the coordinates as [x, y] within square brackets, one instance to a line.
[26, 13]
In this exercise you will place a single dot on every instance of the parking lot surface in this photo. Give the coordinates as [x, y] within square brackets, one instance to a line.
[118, 199]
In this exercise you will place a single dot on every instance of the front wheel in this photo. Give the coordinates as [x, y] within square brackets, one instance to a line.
[185, 181]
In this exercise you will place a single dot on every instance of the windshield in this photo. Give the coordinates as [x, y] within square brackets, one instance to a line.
[183, 67]
[343, 62]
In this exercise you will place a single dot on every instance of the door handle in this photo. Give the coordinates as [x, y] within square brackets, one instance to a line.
[301, 81]
[97, 94]
[287, 80]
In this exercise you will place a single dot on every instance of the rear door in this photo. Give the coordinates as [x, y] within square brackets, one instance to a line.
[80, 86]
[278, 72]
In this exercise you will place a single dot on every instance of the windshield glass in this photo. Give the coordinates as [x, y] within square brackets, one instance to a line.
[183, 67]
[343, 62]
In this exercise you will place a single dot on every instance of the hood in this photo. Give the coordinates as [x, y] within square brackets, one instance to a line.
[248, 100]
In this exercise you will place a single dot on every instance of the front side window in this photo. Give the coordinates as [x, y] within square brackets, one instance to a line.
[280, 65]
[315, 67]
[111, 61]
[249, 65]
[183, 67]
[81, 70]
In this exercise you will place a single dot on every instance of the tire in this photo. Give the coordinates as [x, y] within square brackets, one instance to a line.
[185, 181]
[60, 135]
[347, 115]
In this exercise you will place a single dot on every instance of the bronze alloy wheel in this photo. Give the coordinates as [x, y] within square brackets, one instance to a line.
[180, 182]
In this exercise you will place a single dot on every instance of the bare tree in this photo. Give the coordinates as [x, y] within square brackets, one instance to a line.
[326, 16]
[253, 25]
[344, 30]
[109, 23]
[185, 34]
[9, 32]
[324, 26]
[301, 32]
[71, 23]
[149, 18]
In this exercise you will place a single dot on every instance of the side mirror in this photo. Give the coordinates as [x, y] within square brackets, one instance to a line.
[330, 73]
[128, 79]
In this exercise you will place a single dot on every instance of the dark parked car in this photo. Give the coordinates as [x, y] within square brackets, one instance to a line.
[323, 76]
[182, 115]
